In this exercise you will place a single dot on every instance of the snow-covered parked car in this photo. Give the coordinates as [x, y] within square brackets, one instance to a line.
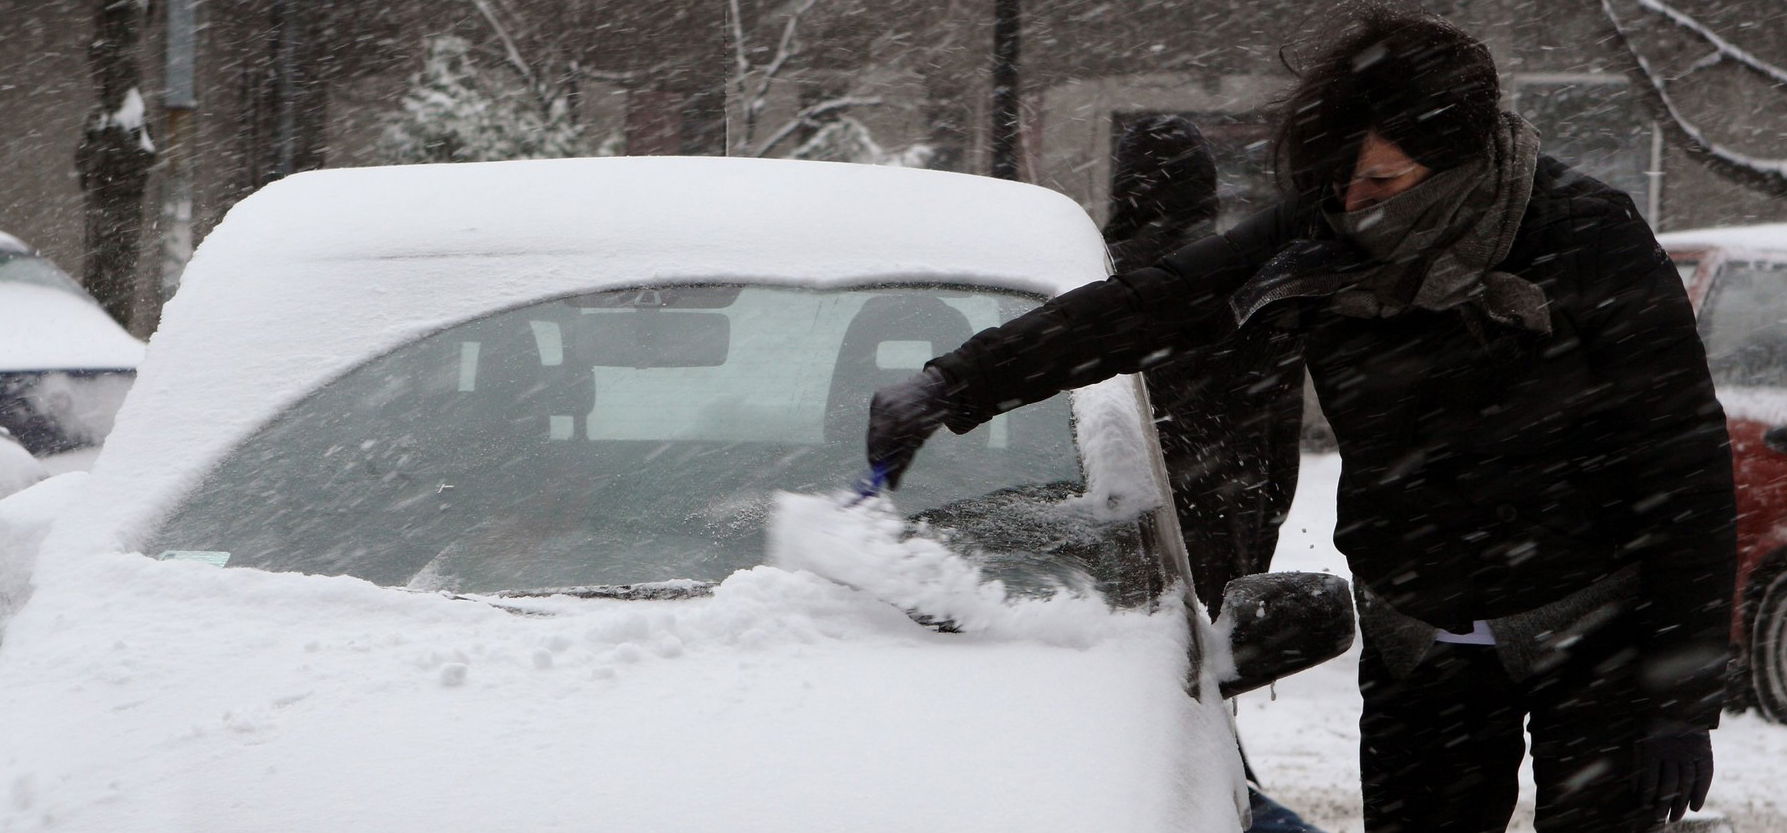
[442, 505]
[18, 469]
[1737, 278]
[65, 365]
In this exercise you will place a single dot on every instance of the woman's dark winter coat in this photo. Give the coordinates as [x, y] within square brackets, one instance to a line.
[1487, 469]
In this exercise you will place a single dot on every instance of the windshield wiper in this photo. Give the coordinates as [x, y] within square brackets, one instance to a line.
[647, 591]
[644, 591]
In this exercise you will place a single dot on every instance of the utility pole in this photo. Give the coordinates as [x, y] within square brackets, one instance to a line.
[288, 110]
[1005, 88]
[285, 117]
[180, 104]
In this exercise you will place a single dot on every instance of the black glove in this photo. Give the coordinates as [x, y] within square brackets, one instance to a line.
[1675, 770]
[901, 416]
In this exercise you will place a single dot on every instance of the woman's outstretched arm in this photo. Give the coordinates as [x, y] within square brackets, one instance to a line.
[1119, 325]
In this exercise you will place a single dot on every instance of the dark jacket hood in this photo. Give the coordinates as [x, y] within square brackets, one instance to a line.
[1164, 172]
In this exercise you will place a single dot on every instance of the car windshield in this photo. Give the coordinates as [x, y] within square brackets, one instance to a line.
[31, 269]
[625, 437]
[1744, 325]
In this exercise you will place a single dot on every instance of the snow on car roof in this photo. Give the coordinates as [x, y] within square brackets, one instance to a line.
[653, 218]
[1765, 236]
[12, 245]
[319, 272]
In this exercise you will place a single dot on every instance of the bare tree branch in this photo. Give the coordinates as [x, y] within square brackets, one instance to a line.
[753, 98]
[785, 48]
[613, 77]
[543, 91]
[1712, 59]
[741, 75]
[502, 33]
[811, 116]
[1724, 47]
[572, 70]
[740, 60]
[1766, 175]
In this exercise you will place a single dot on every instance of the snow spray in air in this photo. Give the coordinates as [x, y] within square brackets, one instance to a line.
[867, 546]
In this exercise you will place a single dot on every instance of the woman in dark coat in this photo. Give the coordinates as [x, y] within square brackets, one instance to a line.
[1536, 498]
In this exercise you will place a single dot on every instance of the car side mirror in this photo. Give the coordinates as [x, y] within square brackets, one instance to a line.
[1280, 623]
[1776, 439]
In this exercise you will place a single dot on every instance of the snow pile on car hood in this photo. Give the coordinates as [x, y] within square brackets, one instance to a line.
[151, 695]
[866, 546]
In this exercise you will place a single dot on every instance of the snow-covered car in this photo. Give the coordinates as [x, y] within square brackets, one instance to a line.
[1737, 278]
[442, 505]
[65, 365]
[18, 469]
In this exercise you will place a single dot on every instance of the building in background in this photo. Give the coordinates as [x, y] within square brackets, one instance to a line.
[1564, 67]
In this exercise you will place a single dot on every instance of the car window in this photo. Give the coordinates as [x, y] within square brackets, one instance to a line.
[34, 270]
[632, 436]
[1744, 324]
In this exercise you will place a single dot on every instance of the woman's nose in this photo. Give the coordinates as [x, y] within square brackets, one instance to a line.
[1361, 193]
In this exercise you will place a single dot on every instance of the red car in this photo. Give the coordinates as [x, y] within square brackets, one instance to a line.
[1737, 279]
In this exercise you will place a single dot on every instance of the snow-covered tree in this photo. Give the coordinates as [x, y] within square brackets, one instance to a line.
[458, 109]
[512, 94]
[846, 139]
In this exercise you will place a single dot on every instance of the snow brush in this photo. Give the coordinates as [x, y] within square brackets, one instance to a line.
[869, 484]
[858, 540]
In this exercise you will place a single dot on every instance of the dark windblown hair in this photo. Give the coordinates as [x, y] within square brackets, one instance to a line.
[1415, 78]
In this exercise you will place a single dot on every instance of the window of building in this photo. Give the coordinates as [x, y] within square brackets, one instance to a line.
[1596, 124]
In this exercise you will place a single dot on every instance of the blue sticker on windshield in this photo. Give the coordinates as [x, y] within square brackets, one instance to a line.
[215, 559]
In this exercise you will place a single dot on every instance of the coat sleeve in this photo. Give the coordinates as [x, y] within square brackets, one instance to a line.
[1119, 325]
[1675, 462]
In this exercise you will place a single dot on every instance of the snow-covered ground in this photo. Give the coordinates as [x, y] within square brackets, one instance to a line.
[1303, 741]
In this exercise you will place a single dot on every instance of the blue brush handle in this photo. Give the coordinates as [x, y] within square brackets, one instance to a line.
[870, 483]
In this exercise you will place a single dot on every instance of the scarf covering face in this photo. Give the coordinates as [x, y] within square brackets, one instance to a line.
[1442, 239]
[1432, 247]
